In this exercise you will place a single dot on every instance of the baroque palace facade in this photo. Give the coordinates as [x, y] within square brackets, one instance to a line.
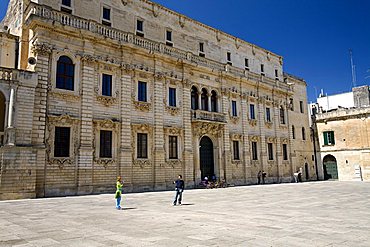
[123, 87]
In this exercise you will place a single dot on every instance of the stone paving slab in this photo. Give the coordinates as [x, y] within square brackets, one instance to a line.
[307, 214]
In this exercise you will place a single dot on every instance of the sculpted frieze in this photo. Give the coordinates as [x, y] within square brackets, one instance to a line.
[205, 128]
[64, 96]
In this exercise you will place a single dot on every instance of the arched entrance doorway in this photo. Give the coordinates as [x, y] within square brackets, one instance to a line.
[330, 167]
[207, 166]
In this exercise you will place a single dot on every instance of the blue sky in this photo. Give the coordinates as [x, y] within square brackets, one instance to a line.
[313, 36]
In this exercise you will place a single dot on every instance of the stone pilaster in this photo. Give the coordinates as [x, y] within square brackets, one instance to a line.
[125, 168]
[226, 169]
[188, 145]
[85, 152]
[159, 152]
[245, 144]
[263, 146]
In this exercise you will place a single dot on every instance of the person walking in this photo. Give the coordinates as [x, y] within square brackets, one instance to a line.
[263, 177]
[259, 175]
[118, 195]
[180, 185]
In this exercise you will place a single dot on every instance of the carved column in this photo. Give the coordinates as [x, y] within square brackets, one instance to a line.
[85, 152]
[209, 102]
[159, 152]
[200, 100]
[10, 130]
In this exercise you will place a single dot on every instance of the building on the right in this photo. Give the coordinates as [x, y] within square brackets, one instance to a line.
[342, 126]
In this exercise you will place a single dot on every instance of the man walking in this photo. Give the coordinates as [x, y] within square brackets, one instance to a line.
[180, 185]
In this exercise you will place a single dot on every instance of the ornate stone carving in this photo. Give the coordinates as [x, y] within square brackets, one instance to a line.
[284, 140]
[173, 131]
[60, 162]
[104, 162]
[187, 83]
[64, 96]
[182, 21]
[142, 106]
[234, 119]
[155, 10]
[142, 163]
[106, 124]
[125, 2]
[204, 128]
[42, 48]
[268, 125]
[236, 162]
[174, 163]
[236, 136]
[254, 138]
[252, 122]
[271, 139]
[106, 100]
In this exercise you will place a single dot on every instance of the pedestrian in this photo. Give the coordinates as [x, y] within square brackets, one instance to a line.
[299, 177]
[180, 185]
[263, 177]
[296, 176]
[259, 177]
[118, 195]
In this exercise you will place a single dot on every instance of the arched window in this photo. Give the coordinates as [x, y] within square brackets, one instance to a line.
[303, 133]
[282, 115]
[194, 98]
[2, 118]
[65, 73]
[293, 132]
[204, 99]
[214, 102]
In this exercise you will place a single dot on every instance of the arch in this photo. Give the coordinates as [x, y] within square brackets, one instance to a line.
[330, 167]
[204, 99]
[65, 75]
[207, 166]
[194, 98]
[214, 98]
[2, 116]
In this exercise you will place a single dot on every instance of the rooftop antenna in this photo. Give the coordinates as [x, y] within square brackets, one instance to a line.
[353, 67]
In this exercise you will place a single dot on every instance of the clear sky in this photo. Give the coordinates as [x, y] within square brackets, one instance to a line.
[313, 36]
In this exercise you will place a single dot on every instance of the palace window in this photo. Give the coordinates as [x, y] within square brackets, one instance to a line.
[329, 138]
[142, 146]
[65, 73]
[262, 69]
[228, 58]
[276, 74]
[105, 144]
[201, 50]
[66, 6]
[246, 63]
[106, 16]
[301, 106]
[172, 145]
[236, 150]
[282, 115]
[142, 91]
[270, 151]
[107, 85]
[194, 98]
[268, 114]
[234, 109]
[172, 96]
[214, 101]
[303, 133]
[140, 28]
[169, 41]
[293, 132]
[204, 99]
[254, 151]
[252, 114]
[285, 152]
[62, 141]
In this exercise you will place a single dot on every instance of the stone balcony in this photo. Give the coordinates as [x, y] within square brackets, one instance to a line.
[206, 116]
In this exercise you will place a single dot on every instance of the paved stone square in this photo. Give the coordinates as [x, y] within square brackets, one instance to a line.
[307, 214]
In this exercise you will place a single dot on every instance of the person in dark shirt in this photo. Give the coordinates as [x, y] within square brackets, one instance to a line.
[180, 185]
